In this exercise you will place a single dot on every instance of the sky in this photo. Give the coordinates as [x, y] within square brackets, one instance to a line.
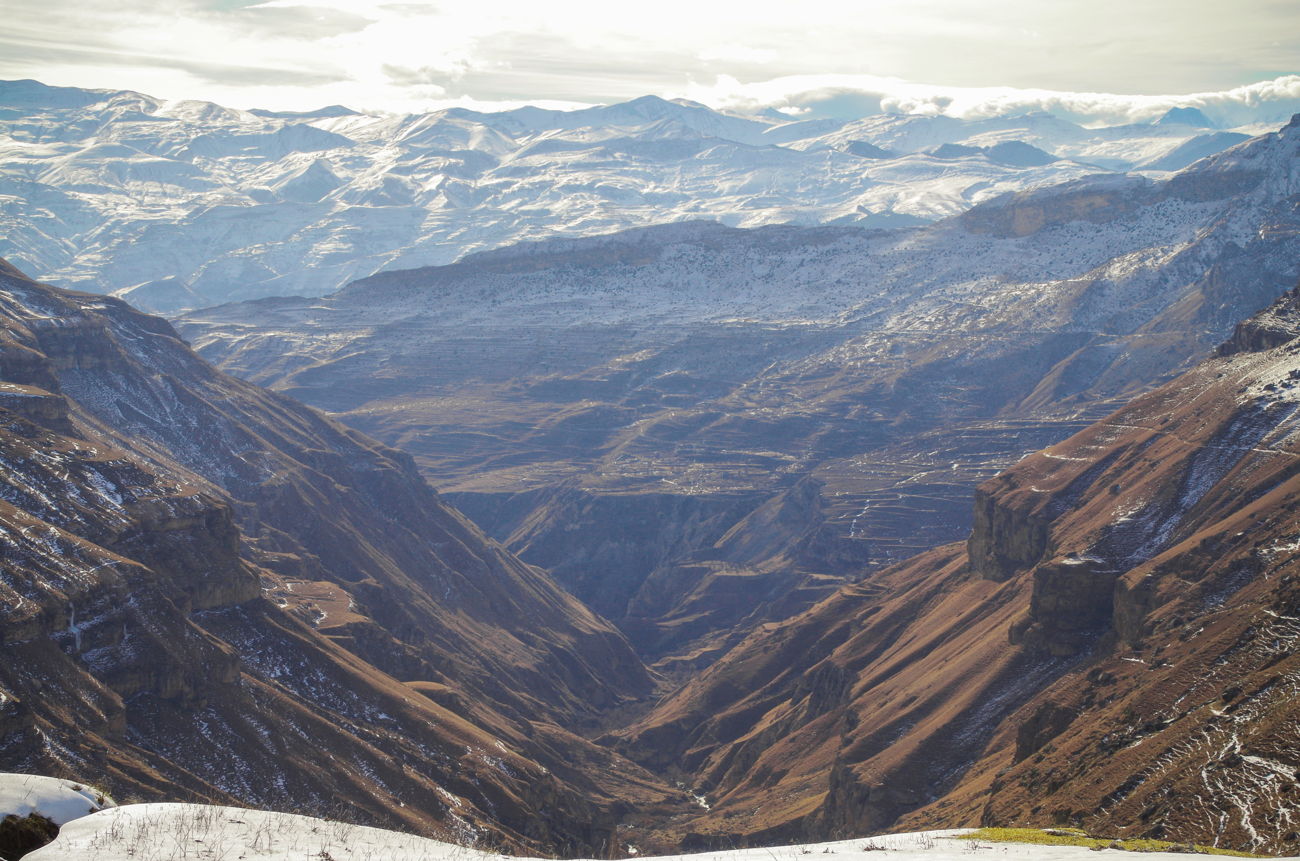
[803, 57]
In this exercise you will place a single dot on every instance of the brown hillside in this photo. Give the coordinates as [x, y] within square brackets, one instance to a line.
[1113, 647]
[211, 591]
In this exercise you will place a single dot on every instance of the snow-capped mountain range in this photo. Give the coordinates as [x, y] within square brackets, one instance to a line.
[189, 204]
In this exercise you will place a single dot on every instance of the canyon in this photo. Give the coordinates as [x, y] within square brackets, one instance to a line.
[697, 429]
[215, 593]
[1113, 647]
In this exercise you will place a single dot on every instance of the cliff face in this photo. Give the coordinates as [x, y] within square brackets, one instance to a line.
[1113, 647]
[1176, 724]
[1028, 212]
[1272, 327]
[211, 591]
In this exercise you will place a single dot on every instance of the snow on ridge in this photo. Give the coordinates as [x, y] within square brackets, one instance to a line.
[111, 191]
[930, 279]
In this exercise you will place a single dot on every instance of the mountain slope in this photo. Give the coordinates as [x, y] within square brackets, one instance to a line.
[1112, 648]
[213, 589]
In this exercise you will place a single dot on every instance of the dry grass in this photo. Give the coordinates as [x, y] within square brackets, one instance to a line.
[1076, 837]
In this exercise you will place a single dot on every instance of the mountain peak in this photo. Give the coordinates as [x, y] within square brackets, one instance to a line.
[27, 93]
[327, 112]
[647, 99]
[1185, 116]
[648, 105]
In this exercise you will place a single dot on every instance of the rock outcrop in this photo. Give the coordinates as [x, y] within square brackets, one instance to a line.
[1072, 601]
[1271, 328]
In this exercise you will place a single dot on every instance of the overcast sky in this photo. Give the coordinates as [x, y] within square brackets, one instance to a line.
[793, 54]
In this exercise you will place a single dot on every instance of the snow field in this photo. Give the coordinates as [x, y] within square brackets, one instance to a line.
[194, 832]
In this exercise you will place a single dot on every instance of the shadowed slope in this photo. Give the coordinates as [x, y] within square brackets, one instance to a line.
[212, 588]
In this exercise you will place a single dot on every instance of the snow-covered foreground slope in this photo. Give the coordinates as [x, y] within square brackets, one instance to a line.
[153, 832]
[188, 204]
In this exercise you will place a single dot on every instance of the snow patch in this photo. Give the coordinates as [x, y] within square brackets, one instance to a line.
[61, 801]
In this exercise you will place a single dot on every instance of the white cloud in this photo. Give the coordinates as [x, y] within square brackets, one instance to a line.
[732, 52]
[854, 95]
[390, 54]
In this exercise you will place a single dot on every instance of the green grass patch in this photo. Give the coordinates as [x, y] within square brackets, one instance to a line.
[1078, 837]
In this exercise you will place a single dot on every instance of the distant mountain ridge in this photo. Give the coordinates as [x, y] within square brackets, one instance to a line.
[177, 204]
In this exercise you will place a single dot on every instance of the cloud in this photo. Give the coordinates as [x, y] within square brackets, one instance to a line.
[736, 53]
[816, 56]
[425, 76]
[849, 96]
[138, 43]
